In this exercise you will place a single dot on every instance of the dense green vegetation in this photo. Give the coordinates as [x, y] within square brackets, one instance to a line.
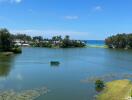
[6, 42]
[119, 41]
[57, 42]
[99, 85]
[12, 42]
[22, 37]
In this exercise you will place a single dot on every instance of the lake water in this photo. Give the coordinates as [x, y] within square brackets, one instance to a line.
[32, 69]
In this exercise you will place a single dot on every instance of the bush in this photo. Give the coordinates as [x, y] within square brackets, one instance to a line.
[5, 40]
[119, 41]
[99, 85]
[16, 50]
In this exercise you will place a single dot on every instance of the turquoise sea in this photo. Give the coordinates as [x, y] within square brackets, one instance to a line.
[95, 42]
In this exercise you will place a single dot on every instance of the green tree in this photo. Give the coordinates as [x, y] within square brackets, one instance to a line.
[22, 37]
[56, 38]
[66, 42]
[5, 40]
[119, 41]
[38, 38]
[99, 85]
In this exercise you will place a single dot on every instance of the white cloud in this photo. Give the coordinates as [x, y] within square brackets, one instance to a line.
[16, 1]
[71, 17]
[11, 1]
[97, 8]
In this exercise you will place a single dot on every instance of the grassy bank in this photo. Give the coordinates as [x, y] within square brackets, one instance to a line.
[116, 90]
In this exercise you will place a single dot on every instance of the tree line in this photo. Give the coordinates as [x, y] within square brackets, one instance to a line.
[57, 42]
[119, 41]
[7, 41]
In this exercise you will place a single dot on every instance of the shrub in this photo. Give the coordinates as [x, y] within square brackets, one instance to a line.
[119, 41]
[16, 50]
[99, 85]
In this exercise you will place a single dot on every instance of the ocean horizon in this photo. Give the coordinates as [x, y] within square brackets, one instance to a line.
[95, 42]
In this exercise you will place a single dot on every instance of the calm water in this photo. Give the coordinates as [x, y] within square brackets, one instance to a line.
[32, 69]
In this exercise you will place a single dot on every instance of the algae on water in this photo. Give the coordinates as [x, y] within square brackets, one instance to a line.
[23, 95]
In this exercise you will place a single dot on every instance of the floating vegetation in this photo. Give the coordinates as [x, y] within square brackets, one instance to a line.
[54, 63]
[23, 95]
[107, 77]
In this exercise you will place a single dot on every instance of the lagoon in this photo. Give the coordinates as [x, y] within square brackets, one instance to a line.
[70, 80]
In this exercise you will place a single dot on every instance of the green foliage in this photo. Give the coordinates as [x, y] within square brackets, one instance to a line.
[99, 85]
[58, 42]
[67, 43]
[131, 93]
[5, 40]
[16, 50]
[41, 44]
[119, 41]
[56, 38]
[38, 38]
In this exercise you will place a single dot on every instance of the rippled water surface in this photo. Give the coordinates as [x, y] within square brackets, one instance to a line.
[32, 69]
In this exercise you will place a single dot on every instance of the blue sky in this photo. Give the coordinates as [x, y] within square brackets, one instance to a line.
[81, 19]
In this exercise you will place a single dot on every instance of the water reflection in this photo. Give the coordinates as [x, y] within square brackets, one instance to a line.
[5, 65]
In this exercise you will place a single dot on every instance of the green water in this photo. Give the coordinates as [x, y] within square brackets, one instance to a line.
[32, 69]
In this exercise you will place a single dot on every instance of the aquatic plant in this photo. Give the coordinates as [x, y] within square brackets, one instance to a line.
[55, 63]
[23, 95]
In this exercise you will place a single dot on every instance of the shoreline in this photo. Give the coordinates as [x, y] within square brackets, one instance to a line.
[97, 46]
[8, 53]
